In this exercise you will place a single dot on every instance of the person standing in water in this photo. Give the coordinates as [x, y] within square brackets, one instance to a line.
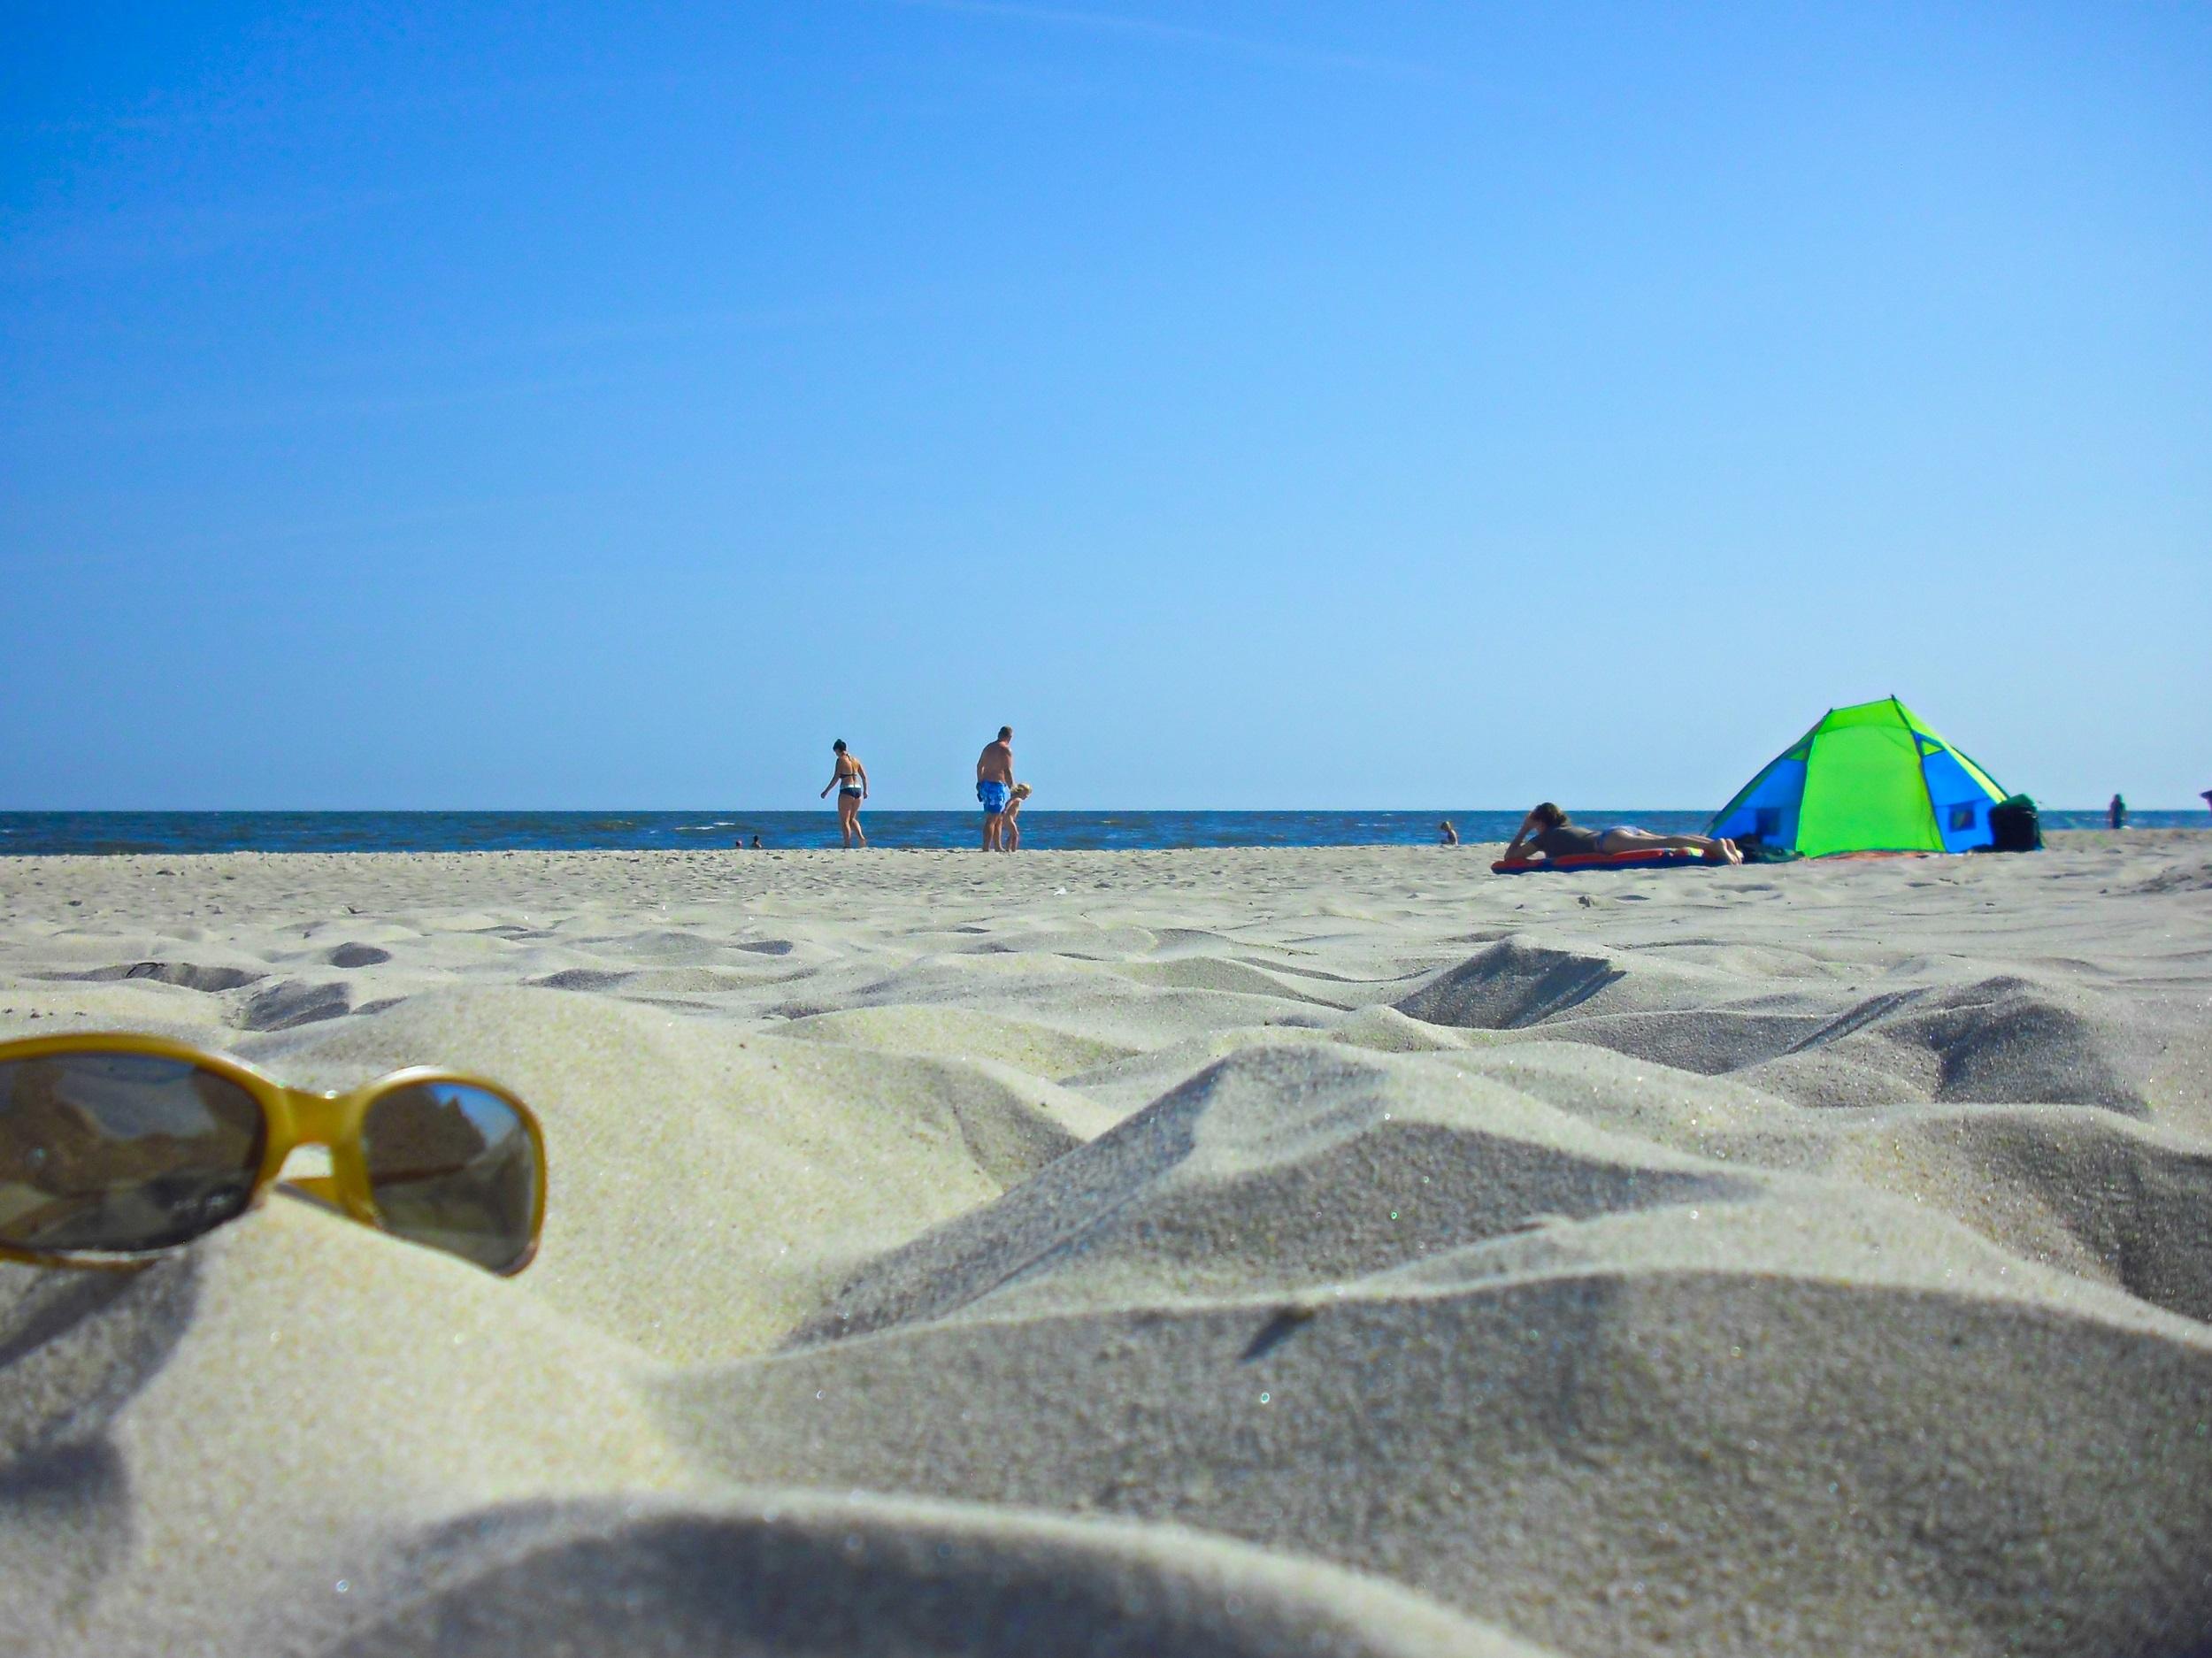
[849, 778]
[2116, 814]
[1446, 835]
[995, 785]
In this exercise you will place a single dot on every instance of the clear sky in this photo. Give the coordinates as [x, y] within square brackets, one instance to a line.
[1259, 404]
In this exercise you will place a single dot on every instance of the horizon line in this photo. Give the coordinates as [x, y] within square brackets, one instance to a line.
[810, 809]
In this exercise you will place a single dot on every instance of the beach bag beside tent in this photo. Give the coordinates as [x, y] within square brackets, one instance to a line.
[1869, 778]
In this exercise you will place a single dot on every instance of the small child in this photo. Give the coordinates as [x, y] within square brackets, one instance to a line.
[1013, 840]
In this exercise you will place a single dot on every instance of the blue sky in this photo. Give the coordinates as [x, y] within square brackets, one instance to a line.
[1257, 404]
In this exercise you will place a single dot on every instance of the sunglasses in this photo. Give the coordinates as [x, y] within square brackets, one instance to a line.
[114, 1148]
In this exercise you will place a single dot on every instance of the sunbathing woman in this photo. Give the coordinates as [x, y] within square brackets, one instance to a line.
[1548, 832]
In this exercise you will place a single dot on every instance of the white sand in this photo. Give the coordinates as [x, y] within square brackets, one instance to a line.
[1267, 1252]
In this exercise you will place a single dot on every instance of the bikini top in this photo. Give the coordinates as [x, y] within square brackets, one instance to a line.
[1563, 840]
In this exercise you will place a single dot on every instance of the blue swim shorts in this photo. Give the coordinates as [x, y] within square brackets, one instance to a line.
[994, 796]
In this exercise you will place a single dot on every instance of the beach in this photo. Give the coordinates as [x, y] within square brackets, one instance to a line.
[1300, 1251]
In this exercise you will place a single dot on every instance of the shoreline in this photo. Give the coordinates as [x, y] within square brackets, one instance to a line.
[2056, 839]
[190, 834]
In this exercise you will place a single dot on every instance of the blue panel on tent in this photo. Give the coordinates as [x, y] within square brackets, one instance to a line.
[1768, 807]
[1962, 805]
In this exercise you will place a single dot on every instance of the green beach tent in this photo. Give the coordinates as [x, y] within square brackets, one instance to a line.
[1871, 778]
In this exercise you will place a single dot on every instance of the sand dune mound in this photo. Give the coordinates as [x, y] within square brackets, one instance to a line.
[2002, 1038]
[1090, 943]
[899, 1579]
[673, 948]
[2011, 1039]
[1128, 1084]
[1244, 978]
[188, 975]
[1729, 1461]
[1059, 992]
[188, 1446]
[296, 1001]
[1577, 1453]
[2077, 1189]
[1277, 1169]
[709, 1185]
[2193, 876]
[1513, 983]
[958, 1032]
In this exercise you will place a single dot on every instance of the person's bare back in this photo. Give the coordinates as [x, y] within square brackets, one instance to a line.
[995, 785]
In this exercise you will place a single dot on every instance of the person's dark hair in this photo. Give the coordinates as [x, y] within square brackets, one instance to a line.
[838, 746]
[1548, 815]
[1005, 734]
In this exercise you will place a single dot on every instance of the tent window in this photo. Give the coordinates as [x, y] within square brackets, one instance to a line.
[1963, 815]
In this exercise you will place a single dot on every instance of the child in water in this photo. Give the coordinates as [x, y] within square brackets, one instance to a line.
[1013, 841]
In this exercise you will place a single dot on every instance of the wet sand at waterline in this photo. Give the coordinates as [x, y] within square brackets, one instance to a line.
[1340, 1251]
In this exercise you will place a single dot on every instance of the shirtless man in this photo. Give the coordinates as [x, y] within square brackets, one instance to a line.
[995, 785]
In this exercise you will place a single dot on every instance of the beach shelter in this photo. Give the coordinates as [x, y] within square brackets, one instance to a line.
[1871, 778]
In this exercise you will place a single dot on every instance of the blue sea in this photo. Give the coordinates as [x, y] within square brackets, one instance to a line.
[189, 832]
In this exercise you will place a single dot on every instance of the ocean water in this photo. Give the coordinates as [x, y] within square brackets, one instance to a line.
[189, 832]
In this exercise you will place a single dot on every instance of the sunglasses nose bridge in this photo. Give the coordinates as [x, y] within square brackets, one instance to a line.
[317, 1119]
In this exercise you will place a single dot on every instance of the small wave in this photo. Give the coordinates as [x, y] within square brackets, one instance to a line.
[701, 828]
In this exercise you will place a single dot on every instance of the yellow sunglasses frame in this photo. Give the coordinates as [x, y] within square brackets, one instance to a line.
[295, 1117]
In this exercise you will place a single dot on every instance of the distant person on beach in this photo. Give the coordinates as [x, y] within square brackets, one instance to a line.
[1447, 835]
[1011, 840]
[1548, 833]
[2116, 814]
[995, 785]
[849, 778]
[756, 845]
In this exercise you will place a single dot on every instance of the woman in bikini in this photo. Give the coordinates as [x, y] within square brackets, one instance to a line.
[1548, 833]
[850, 780]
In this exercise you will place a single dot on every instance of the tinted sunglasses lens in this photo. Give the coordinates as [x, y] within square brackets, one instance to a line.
[453, 1166]
[121, 1152]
